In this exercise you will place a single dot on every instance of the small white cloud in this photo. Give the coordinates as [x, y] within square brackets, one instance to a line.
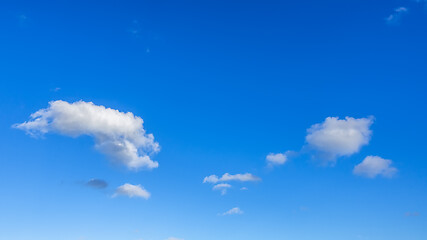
[211, 179]
[276, 159]
[396, 16]
[232, 211]
[174, 238]
[117, 134]
[222, 187]
[244, 188]
[246, 177]
[339, 137]
[132, 191]
[373, 166]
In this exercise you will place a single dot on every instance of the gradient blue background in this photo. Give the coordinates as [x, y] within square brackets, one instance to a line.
[220, 84]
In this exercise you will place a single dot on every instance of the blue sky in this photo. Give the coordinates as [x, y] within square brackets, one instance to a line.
[225, 87]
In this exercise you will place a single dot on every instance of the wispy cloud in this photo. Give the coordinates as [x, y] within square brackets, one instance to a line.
[396, 16]
[222, 187]
[246, 177]
[135, 28]
[174, 238]
[303, 208]
[130, 190]
[373, 166]
[22, 18]
[119, 135]
[412, 214]
[96, 183]
[422, 2]
[233, 211]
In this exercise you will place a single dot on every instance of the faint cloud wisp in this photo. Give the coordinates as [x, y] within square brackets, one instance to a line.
[396, 17]
[96, 183]
[222, 187]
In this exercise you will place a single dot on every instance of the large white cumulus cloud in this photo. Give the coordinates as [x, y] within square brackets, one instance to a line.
[117, 134]
[339, 137]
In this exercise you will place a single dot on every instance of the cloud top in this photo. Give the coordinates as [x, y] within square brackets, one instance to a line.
[131, 191]
[119, 135]
[339, 137]
[373, 166]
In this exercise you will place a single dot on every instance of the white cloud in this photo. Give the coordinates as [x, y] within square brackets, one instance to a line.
[339, 137]
[232, 211]
[244, 188]
[174, 238]
[211, 179]
[246, 177]
[222, 187]
[117, 134]
[373, 166]
[276, 159]
[130, 190]
[396, 16]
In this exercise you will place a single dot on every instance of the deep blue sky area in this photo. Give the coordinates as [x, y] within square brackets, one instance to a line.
[220, 85]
